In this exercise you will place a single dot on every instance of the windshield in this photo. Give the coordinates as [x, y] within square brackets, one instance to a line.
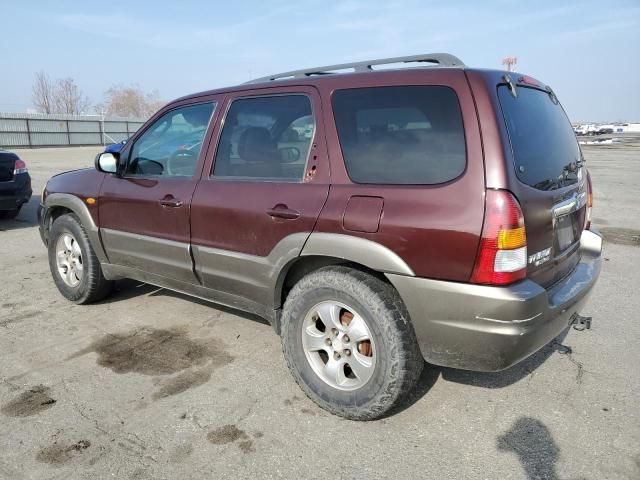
[545, 149]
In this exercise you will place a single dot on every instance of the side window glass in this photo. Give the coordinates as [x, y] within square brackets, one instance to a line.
[408, 135]
[266, 138]
[171, 146]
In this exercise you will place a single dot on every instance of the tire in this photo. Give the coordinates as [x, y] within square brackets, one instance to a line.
[88, 284]
[10, 214]
[395, 358]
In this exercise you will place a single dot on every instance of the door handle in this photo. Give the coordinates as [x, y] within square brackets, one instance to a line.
[282, 211]
[170, 201]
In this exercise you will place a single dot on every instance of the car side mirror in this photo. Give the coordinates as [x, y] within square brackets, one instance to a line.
[107, 162]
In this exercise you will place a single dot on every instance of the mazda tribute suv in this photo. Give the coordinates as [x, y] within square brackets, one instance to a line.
[376, 217]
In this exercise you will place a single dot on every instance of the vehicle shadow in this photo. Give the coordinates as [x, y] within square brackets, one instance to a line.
[27, 218]
[127, 289]
[223, 308]
[431, 373]
[532, 442]
[427, 380]
[511, 375]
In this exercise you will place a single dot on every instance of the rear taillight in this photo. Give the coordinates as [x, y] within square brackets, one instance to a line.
[20, 167]
[587, 218]
[502, 256]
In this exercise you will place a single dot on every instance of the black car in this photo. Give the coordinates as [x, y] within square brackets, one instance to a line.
[15, 184]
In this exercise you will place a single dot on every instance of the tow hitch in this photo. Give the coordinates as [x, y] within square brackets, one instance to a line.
[580, 323]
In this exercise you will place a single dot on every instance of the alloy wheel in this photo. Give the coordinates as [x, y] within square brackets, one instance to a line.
[338, 345]
[69, 260]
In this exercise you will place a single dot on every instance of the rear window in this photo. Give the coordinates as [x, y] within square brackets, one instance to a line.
[400, 135]
[545, 149]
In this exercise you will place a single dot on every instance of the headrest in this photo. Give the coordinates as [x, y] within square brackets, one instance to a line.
[256, 145]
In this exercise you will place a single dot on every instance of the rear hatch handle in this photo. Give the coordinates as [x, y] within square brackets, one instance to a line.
[569, 205]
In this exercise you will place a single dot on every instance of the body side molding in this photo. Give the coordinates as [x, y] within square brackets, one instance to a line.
[77, 206]
[148, 253]
[356, 249]
[243, 274]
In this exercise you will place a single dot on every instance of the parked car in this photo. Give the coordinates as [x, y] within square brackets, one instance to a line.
[423, 218]
[589, 130]
[15, 184]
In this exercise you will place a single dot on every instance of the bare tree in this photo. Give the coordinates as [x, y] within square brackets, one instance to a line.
[129, 101]
[69, 98]
[43, 93]
[61, 96]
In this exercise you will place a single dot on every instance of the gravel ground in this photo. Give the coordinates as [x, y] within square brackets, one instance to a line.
[152, 384]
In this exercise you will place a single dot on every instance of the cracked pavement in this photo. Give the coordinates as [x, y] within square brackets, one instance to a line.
[151, 384]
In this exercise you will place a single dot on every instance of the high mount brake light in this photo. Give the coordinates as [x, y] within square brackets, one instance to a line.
[502, 255]
[529, 81]
[19, 167]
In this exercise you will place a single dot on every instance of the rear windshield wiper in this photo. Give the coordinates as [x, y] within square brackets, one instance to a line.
[548, 184]
[512, 86]
[552, 95]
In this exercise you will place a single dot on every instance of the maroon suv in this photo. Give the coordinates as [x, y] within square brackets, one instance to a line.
[375, 217]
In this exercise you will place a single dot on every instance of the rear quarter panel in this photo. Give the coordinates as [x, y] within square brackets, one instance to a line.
[435, 229]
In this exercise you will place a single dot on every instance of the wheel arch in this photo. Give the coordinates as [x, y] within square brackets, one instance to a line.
[325, 249]
[50, 216]
[57, 204]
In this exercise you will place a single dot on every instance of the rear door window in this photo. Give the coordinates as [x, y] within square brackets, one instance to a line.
[266, 138]
[545, 150]
[400, 135]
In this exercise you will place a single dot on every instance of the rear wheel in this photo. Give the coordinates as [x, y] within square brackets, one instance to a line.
[74, 266]
[349, 342]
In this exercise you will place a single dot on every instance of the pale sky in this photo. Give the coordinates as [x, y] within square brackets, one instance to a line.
[588, 51]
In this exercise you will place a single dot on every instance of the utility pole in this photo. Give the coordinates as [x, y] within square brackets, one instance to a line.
[102, 125]
[509, 62]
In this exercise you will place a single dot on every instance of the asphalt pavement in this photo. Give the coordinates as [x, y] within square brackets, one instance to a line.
[150, 384]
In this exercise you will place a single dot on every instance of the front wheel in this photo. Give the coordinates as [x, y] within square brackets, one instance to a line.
[74, 266]
[349, 343]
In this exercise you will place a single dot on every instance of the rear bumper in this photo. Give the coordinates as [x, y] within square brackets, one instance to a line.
[15, 192]
[483, 328]
[40, 212]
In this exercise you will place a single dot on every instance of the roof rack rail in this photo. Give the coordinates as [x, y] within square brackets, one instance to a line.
[442, 59]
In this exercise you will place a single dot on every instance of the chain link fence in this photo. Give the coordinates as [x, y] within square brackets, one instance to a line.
[26, 130]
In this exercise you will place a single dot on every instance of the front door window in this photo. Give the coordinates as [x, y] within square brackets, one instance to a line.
[171, 146]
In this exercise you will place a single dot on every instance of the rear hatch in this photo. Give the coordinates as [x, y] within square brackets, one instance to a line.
[551, 183]
[7, 164]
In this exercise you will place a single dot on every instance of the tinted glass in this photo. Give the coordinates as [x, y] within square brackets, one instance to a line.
[400, 135]
[171, 146]
[266, 138]
[545, 149]
[7, 164]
